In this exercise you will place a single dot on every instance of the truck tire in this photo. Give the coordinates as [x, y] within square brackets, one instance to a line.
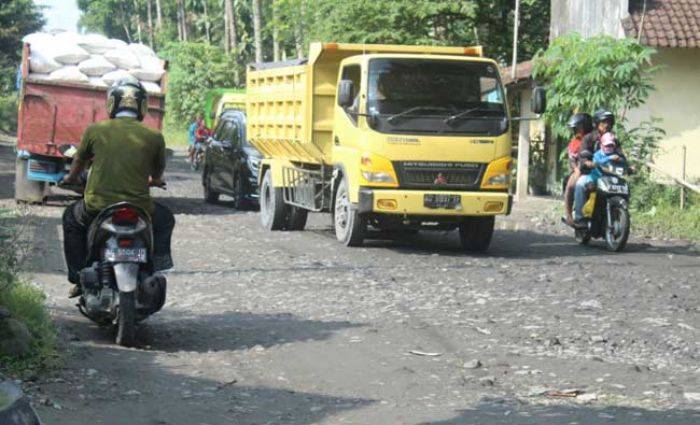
[475, 233]
[274, 213]
[297, 218]
[350, 225]
[27, 191]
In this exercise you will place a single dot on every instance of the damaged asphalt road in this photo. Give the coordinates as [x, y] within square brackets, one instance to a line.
[293, 328]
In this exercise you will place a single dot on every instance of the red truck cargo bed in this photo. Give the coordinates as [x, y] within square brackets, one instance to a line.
[52, 114]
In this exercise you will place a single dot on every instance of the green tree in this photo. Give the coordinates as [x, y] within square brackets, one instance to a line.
[17, 19]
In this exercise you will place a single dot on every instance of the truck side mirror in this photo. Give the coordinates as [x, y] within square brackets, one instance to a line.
[539, 100]
[345, 91]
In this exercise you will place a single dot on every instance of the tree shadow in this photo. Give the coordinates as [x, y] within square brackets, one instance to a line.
[515, 412]
[136, 387]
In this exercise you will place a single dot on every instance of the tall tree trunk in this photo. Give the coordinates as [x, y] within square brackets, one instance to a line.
[227, 26]
[159, 15]
[183, 19]
[206, 20]
[298, 41]
[233, 40]
[137, 19]
[257, 31]
[149, 5]
[275, 38]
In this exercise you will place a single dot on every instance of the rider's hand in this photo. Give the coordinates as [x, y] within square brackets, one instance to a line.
[614, 157]
[69, 179]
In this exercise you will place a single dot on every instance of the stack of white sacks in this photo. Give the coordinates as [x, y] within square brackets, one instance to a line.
[91, 59]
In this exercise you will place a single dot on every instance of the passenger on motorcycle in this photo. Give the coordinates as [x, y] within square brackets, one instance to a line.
[609, 152]
[199, 133]
[581, 125]
[126, 159]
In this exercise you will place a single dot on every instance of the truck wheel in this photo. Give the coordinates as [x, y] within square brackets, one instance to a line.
[297, 218]
[27, 191]
[273, 210]
[475, 233]
[350, 225]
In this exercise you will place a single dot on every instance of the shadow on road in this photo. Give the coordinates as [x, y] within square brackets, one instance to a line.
[531, 414]
[207, 332]
[174, 394]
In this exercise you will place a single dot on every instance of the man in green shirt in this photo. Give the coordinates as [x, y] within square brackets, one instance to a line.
[126, 159]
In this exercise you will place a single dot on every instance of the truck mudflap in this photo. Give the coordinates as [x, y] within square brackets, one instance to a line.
[433, 203]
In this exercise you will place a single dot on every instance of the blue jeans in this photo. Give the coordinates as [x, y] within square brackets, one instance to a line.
[580, 191]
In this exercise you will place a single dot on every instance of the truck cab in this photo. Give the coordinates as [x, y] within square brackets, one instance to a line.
[414, 137]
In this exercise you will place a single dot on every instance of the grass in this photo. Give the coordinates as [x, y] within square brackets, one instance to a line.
[24, 301]
[668, 221]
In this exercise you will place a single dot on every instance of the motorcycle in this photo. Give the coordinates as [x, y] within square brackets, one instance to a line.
[119, 285]
[198, 156]
[606, 213]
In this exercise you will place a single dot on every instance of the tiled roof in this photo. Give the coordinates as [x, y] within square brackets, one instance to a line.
[667, 23]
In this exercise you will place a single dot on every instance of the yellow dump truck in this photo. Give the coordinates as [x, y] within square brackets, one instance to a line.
[396, 138]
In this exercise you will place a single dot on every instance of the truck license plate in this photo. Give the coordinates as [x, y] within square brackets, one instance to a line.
[127, 255]
[438, 201]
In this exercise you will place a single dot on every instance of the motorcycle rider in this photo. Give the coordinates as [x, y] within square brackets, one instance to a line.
[126, 159]
[581, 125]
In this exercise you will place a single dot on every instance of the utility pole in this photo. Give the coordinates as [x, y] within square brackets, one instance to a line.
[516, 28]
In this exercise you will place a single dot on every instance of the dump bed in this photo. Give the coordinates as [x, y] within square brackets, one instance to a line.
[290, 104]
[52, 114]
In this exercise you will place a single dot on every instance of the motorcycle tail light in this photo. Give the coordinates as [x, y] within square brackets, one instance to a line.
[125, 216]
[125, 243]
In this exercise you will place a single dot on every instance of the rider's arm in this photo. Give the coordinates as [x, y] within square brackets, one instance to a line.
[81, 158]
[159, 164]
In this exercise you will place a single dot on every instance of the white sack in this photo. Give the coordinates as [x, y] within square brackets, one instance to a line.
[116, 43]
[151, 69]
[69, 54]
[123, 58]
[96, 66]
[69, 74]
[38, 38]
[35, 76]
[141, 49]
[96, 44]
[41, 62]
[151, 87]
[98, 82]
[110, 77]
[67, 37]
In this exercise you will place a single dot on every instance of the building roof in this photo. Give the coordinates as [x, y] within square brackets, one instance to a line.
[667, 23]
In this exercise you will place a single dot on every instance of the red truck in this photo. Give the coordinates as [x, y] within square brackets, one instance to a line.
[53, 114]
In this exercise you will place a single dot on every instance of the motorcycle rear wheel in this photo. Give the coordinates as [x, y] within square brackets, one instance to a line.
[126, 319]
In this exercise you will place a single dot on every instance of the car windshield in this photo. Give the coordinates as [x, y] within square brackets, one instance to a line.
[435, 97]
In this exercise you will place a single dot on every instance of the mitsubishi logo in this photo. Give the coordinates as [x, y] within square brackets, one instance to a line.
[440, 179]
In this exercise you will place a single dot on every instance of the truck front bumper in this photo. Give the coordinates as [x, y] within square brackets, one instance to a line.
[411, 203]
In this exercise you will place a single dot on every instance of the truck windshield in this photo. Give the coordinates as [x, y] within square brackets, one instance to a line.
[420, 96]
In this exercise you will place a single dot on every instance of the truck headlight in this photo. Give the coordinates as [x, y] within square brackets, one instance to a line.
[497, 174]
[378, 177]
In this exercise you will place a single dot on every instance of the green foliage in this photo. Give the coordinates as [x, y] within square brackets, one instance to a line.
[8, 112]
[662, 216]
[583, 75]
[194, 69]
[175, 135]
[17, 18]
[24, 301]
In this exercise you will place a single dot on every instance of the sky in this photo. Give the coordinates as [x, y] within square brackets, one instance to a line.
[60, 14]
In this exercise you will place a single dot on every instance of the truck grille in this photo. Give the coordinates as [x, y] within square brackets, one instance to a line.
[439, 175]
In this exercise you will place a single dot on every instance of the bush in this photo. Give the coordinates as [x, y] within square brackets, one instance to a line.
[8, 113]
[194, 69]
[24, 301]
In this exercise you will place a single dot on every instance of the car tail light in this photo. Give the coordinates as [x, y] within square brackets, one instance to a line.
[125, 216]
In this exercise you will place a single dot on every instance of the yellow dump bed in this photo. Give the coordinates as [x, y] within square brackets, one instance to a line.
[289, 105]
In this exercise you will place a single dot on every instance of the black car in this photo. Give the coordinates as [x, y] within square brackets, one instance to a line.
[231, 163]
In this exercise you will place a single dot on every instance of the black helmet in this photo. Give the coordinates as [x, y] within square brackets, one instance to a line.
[582, 121]
[604, 115]
[127, 94]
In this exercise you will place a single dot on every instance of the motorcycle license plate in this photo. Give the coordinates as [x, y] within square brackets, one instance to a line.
[126, 255]
[618, 188]
[439, 201]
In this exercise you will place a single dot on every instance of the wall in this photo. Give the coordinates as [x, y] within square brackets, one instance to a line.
[588, 17]
[677, 102]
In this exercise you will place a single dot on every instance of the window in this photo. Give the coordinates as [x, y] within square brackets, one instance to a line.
[353, 73]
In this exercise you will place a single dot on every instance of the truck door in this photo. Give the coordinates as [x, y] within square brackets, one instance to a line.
[232, 155]
[216, 149]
